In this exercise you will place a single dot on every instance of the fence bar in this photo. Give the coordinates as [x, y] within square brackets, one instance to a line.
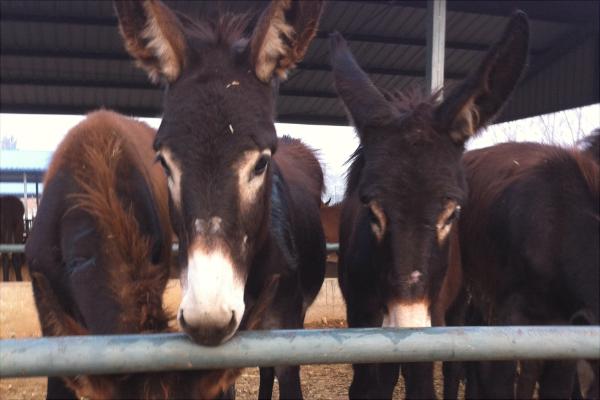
[136, 353]
[12, 248]
[20, 248]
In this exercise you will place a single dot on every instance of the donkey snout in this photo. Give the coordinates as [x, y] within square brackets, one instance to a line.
[208, 331]
[213, 298]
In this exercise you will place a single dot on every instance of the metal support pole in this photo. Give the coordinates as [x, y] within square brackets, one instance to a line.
[436, 39]
[25, 195]
[77, 355]
[37, 194]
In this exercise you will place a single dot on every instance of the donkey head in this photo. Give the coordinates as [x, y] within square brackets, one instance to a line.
[216, 140]
[407, 171]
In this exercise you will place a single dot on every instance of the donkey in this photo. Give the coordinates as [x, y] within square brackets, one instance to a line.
[529, 243]
[330, 219]
[244, 204]
[99, 255]
[591, 145]
[12, 227]
[405, 190]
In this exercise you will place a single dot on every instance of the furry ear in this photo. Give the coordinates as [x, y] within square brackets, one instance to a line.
[481, 96]
[153, 36]
[365, 104]
[282, 35]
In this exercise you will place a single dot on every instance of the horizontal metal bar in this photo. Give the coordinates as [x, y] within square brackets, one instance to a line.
[77, 355]
[333, 246]
[20, 248]
[12, 248]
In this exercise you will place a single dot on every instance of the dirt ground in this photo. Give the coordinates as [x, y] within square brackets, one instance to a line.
[18, 319]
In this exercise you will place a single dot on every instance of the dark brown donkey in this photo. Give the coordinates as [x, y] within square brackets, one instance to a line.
[330, 219]
[529, 242]
[244, 204]
[99, 254]
[11, 232]
[405, 191]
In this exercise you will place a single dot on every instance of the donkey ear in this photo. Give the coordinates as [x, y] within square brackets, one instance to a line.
[365, 104]
[282, 35]
[481, 96]
[153, 36]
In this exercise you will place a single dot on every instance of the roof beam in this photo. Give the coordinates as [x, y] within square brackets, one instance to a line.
[568, 12]
[77, 54]
[349, 36]
[108, 84]
[87, 55]
[381, 71]
[25, 108]
[558, 48]
[60, 19]
[94, 84]
[312, 119]
[403, 41]
[156, 113]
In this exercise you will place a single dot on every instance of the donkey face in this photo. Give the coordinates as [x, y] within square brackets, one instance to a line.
[216, 141]
[407, 171]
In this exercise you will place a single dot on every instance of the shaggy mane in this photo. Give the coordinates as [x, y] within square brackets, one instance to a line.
[134, 277]
[225, 29]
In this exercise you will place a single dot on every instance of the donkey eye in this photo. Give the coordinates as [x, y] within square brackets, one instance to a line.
[261, 165]
[163, 163]
[454, 216]
[377, 219]
[372, 217]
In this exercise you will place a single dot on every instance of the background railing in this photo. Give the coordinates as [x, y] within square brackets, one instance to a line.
[20, 248]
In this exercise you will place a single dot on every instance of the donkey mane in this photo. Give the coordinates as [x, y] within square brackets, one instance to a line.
[225, 28]
[413, 102]
[134, 278]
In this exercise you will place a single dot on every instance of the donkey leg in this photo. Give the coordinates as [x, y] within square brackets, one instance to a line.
[58, 390]
[369, 380]
[265, 388]
[529, 374]
[557, 379]
[388, 377]
[228, 394]
[364, 381]
[497, 379]
[17, 263]
[289, 382]
[456, 315]
[418, 380]
[5, 268]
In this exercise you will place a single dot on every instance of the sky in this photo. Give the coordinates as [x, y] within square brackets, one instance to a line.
[334, 144]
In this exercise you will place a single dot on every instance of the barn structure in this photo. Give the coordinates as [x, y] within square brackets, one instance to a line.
[66, 57]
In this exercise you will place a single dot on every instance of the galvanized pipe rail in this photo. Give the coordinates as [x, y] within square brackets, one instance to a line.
[77, 355]
[20, 248]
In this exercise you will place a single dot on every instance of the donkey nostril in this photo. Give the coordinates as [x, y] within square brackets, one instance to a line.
[232, 321]
[182, 319]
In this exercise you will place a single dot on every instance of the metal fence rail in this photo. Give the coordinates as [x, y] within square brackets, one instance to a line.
[12, 248]
[137, 353]
[20, 248]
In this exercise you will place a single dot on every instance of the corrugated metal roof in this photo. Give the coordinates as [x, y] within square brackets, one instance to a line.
[67, 57]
